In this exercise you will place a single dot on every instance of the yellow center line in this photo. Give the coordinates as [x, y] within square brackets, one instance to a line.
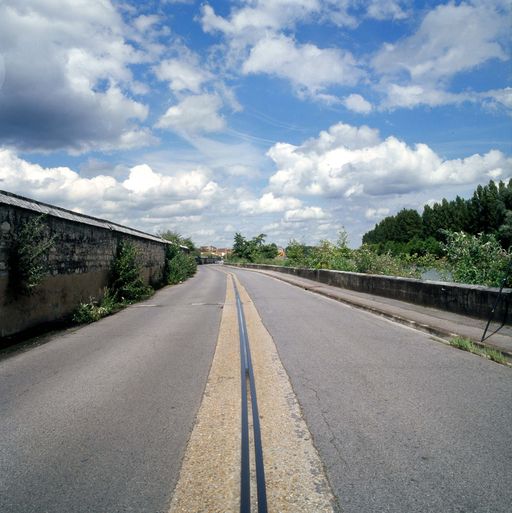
[209, 480]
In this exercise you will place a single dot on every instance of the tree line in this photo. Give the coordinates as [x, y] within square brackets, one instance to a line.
[466, 241]
[488, 211]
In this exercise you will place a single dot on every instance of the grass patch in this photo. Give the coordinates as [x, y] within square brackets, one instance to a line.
[463, 343]
[467, 345]
[496, 356]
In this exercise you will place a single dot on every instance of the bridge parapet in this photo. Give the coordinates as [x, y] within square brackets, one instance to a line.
[472, 300]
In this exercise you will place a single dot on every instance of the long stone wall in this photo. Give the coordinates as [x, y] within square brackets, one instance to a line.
[472, 300]
[78, 263]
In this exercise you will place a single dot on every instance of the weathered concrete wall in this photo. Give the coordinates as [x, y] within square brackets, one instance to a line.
[78, 263]
[472, 300]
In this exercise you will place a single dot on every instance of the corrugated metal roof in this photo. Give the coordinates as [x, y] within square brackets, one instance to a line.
[9, 198]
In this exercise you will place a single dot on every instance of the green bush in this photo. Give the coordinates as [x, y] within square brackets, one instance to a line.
[365, 259]
[126, 287]
[29, 256]
[368, 261]
[254, 250]
[296, 254]
[87, 312]
[93, 310]
[476, 259]
[179, 266]
[326, 255]
[126, 282]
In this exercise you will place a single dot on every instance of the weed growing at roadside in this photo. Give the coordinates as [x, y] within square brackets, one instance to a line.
[463, 343]
[467, 345]
[95, 310]
[127, 286]
[178, 265]
[495, 356]
[126, 283]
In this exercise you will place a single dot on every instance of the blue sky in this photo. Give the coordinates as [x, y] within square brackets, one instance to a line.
[291, 118]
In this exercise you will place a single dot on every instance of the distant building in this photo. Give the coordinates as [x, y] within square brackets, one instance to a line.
[224, 252]
[212, 250]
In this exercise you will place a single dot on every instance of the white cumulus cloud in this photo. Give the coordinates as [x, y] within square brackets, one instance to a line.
[357, 103]
[334, 166]
[194, 114]
[304, 214]
[68, 82]
[387, 9]
[375, 214]
[310, 69]
[146, 198]
[259, 16]
[269, 203]
[182, 75]
[450, 39]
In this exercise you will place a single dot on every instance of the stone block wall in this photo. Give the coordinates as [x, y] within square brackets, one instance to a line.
[78, 262]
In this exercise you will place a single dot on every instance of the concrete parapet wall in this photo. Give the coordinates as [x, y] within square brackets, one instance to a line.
[78, 263]
[472, 300]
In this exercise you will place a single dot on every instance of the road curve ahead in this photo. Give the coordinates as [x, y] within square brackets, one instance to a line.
[97, 419]
[403, 423]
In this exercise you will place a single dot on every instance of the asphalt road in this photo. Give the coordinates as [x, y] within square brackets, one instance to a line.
[403, 423]
[97, 419]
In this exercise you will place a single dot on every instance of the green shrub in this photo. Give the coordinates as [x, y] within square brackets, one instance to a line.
[93, 310]
[368, 261]
[89, 312]
[126, 282]
[322, 255]
[126, 287]
[296, 254]
[179, 266]
[328, 255]
[476, 259]
[108, 301]
[365, 259]
[29, 256]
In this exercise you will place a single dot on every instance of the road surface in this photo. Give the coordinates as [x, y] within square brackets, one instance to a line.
[403, 423]
[97, 419]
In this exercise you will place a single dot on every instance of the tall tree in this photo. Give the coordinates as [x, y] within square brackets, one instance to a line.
[240, 246]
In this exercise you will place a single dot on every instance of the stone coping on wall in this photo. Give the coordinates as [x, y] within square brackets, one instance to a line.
[8, 198]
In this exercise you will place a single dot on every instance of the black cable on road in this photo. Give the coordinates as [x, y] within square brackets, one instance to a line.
[247, 374]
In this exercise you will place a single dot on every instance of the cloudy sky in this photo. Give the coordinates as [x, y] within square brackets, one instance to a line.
[289, 117]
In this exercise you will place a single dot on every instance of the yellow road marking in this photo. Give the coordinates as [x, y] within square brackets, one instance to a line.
[209, 480]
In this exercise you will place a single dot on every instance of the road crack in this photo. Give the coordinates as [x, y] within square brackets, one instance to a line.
[333, 440]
